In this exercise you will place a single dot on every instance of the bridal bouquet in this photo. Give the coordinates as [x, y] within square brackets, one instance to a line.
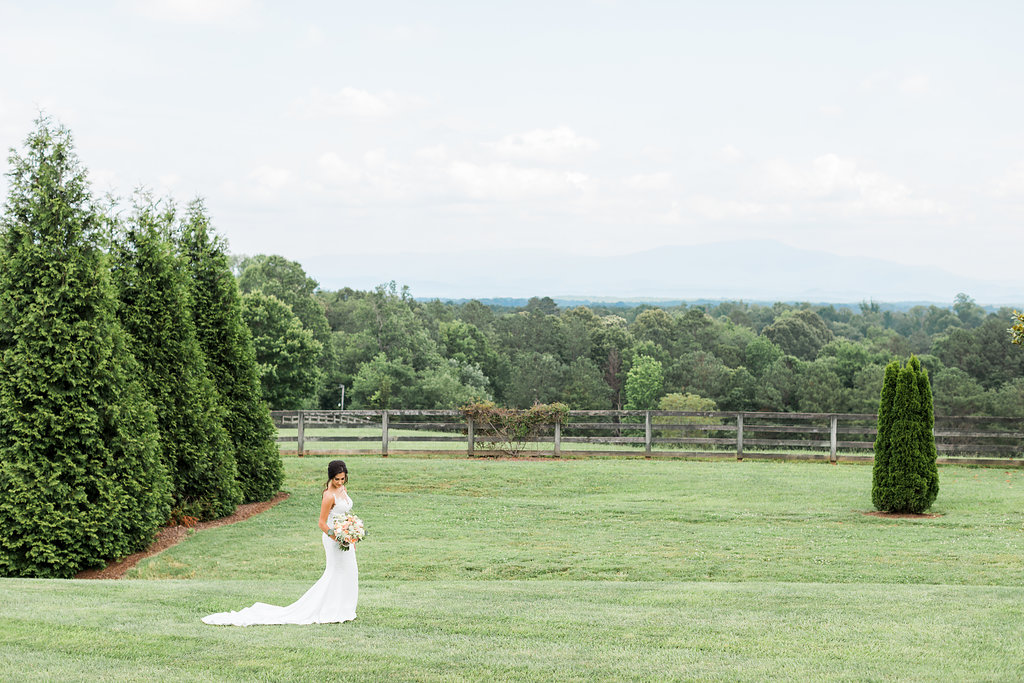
[348, 530]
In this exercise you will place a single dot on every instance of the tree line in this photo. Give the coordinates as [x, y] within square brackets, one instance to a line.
[129, 390]
[390, 350]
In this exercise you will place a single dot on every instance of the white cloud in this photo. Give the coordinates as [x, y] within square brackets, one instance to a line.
[719, 209]
[551, 145]
[353, 102]
[1010, 184]
[505, 182]
[270, 177]
[104, 180]
[168, 181]
[842, 185]
[337, 171]
[646, 182]
[907, 83]
[315, 35]
[192, 11]
[403, 34]
[435, 154]
[731, 153]
[915, 84]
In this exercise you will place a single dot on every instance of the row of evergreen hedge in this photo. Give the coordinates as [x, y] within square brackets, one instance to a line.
[129, 392]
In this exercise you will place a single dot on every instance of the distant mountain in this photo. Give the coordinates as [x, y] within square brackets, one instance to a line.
[752, 271]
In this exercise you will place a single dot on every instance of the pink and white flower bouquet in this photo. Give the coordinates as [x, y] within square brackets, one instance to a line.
[348, 531]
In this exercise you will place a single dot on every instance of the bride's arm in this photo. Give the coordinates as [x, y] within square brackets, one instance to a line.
[325, 508]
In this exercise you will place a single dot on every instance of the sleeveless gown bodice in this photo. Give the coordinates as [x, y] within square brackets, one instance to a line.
[331, 599]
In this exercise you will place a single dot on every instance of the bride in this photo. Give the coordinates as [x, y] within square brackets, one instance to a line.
[331, 599]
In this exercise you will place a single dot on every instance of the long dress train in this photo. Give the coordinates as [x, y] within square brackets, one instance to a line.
[331, 599]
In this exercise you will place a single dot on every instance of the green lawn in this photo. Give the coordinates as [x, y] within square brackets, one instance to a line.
[567, 570]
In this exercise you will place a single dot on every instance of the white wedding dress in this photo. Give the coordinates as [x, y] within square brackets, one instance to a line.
[331, 599]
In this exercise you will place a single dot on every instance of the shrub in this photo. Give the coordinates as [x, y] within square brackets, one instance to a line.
[510, 429]
[905, 476]
[686, 403]
[643, 383]
[81, 478]
[231, 359]
[156, 312]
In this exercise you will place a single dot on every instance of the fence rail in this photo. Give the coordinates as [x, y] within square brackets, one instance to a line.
[807, 436]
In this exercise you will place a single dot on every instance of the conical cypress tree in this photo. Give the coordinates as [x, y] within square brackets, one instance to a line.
[880, 473]
[227, 344]
[929, 468]
[906, 476]
[81, 478]
[156, 313]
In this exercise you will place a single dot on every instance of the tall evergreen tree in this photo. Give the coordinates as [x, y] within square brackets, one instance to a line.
[905, 478]
[81, 478]
[883, 436]
[156, 311]
[227, 344]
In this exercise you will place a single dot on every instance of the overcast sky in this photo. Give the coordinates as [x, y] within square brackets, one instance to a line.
[314, 129]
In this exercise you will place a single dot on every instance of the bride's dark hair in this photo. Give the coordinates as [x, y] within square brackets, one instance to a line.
[334, 468]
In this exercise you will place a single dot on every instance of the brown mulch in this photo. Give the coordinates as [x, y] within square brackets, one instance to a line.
[171, 535]
[901, 515]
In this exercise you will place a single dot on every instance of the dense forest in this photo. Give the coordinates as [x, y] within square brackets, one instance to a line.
[390, 350]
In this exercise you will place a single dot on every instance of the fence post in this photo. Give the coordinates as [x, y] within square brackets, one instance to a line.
[647, 432]
[558, 439]
[739, 436]
[302, 434]
[384, 433]
[470, 436]
[833, 426]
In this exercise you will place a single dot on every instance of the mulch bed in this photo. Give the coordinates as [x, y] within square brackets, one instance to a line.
[171, 535]
[901, 515]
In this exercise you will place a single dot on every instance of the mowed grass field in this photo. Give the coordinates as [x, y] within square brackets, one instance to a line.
[581, 570]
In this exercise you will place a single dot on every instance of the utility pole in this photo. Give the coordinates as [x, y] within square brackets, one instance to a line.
[342, 404]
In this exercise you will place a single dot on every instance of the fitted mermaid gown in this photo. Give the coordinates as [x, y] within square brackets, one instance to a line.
[331, 599]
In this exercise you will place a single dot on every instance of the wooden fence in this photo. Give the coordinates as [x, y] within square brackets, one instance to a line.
[791, 436]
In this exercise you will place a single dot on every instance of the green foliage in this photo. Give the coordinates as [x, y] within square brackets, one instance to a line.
[286, 353]
[656, 326]
[743, 356]
[510, 429]
[1008, 400]
[760, 353]
[800, 334]
[585, 385]
[156, 312]
[905, 476]
[277, 276]
[643, 384]
[690, 403]
[81, 478]
[449, 385]
[969, 313]
[287, 281]
[702, 373]
[466, 343]
[536, 378]
[380, 380]
[821, 390]
[227, 344]
[1017, 329]
[957, 393]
